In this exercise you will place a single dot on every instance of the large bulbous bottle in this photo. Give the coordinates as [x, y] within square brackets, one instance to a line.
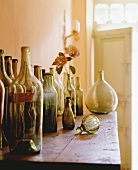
[101, 97]
[26, 110]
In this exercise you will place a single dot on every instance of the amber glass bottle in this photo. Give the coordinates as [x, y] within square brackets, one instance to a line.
[26, 110]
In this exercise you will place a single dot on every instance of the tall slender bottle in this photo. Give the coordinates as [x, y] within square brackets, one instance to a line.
[69, 91]
[6, 81]
[49, 104]
[26, 110]
[8, 67]
[15, 67]
[2, 95]
[38, 73]
[59, 92]
[79, 97]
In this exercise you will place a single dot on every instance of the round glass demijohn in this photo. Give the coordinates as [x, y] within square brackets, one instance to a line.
[101, 97]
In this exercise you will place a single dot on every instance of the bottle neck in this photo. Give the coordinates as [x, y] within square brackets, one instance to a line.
[48, 79]
[14, 67]
[2, 64]
[8, 66]
[38, 72]
[25, 62]
[101, 75]
[78, 85]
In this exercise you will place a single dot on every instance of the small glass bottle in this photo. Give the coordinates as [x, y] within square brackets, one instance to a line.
[6, 81]
[26, 110]
[69, 91]
[38, 73]
[79, 97]
[101, 97]
[2, 95]
[8, 67]
[15, 67]
[68, 120]
[90, 124]
[49, 104]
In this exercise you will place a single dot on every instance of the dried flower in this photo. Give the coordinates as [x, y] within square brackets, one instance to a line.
[62, 59]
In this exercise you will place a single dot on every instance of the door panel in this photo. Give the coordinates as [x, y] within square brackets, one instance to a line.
[112, 53]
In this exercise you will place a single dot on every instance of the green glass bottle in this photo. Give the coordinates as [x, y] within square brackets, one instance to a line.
[49, 104]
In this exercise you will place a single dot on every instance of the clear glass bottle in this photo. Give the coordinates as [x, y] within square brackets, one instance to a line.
[8, 67]
[38, 73]
[26, 110]
[2, 95]
[15, 67]
[68, 119]
[79, 97]
[49, 104]
[90, 124]
[69, 91]
[6, 81]
[101, 97]
[60, 93]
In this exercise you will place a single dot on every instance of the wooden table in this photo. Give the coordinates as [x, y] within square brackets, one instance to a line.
[67, 149]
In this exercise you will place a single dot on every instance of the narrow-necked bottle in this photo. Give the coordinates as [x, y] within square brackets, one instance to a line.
[59, 90]
[8, 67]
[68, 119]
[49, 104]
[26, 110]
[2, 95]
[6, 81]
[15, 67]
[38, 73]
[69, 91]
[79, 97]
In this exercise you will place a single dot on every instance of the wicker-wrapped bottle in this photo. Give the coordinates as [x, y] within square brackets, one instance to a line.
[26, 110]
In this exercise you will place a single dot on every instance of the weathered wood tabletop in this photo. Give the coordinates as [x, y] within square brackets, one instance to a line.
[67, 149]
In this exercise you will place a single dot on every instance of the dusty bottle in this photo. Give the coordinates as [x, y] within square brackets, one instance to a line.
[2, 95]
[79, 97]
[8, 67]
[6, 81]
[49, 104]
[38, 73]
[15, 67]
[90, 124]
[68, 119]
[26, 110]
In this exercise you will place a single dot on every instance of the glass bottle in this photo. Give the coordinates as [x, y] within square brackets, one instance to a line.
[68, 119]
[60, 93]
[8, 67]
[15, 67]
[49, 104]
[90, 124]
[38, 73]
[6, 81]
[69, 91]
[2, 95]
[79, 97]
[26, 110]
[101, 97]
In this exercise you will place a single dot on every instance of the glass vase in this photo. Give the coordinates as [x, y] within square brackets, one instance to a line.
[101, 97]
